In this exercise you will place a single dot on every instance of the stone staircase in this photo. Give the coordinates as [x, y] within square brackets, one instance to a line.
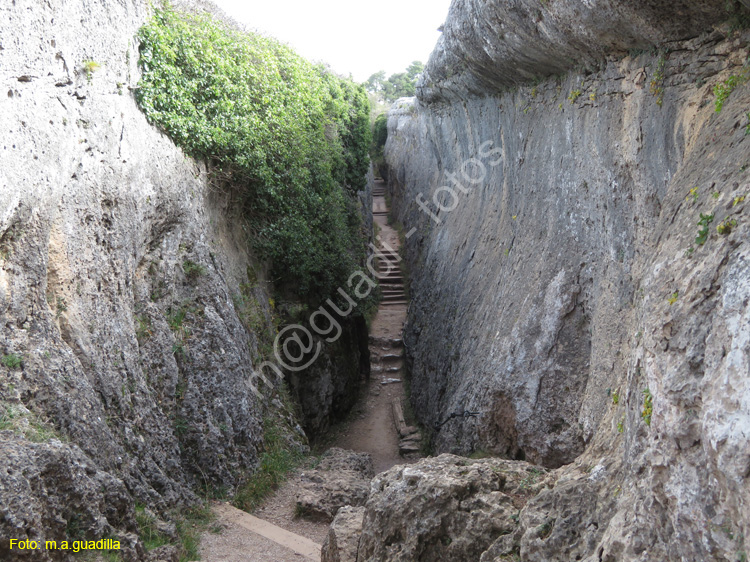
[391, 278]
[387, 363]
[379, 191]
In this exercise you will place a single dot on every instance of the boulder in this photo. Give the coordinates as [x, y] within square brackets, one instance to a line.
[447, 508]
[342, 541]
[342, 478]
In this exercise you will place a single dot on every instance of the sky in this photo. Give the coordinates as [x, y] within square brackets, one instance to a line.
[357, 38]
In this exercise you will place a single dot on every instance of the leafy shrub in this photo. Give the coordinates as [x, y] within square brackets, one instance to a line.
[379, 134]
[290, 140]
[379, 138]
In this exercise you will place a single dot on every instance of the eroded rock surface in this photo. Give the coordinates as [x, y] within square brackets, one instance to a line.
[342, 478]
[446, 508]
[130, 305]
[565, 289]
[491, 46]
[342, 541]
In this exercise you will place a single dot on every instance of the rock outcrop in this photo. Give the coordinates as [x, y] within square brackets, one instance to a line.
[328, 389]
[341, 479]
[132, 311]
[447, 508]
[342, 542]
[562, 286]
[488, 47]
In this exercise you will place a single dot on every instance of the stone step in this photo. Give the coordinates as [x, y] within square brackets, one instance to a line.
[408, 448]
[303, 547]
[392, 303]
[387, 362]
[386, 342]
[411, 432]
[379, 340]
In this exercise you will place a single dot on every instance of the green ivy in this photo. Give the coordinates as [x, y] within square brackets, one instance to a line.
[288, 138]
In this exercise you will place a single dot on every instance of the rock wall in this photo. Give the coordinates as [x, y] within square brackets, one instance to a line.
[559, 278]
[131, 312]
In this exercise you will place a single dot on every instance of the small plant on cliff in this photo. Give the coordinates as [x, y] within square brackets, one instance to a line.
[657, 80]
[574, 95]
[61, 307]
[89, 67]
[531, 479]
[12, 360]
[545, 530]
[23, 422]
[693, 194]
[704, 221]
[722, 90]
[193, 270]
[726, 226]
[673, 298]
[143, 329]
[648, 406]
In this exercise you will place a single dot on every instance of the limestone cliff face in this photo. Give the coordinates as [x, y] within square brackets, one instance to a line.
[131, 314]
[562, 284]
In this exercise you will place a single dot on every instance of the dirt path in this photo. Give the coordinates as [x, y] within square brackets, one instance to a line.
[370, 428]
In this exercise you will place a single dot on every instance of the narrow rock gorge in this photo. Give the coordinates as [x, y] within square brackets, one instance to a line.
[573, 182]
[573, 178]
